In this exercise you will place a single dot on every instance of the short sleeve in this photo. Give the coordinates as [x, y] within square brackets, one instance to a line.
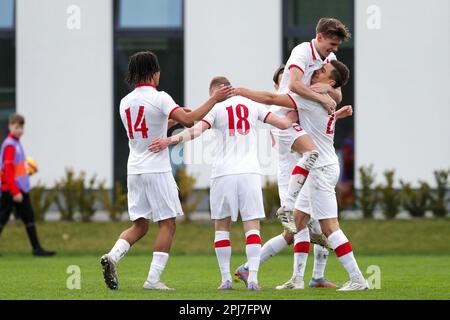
[300, 103]
[167, 104]
[299, 57]
[210, 117]
[263, 112]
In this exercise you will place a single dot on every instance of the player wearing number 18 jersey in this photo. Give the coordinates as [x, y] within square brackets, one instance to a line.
[235, 180]
[152, 191]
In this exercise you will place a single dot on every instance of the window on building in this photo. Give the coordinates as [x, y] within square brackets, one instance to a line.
[7, 64]
[141, 25]
[300, 18]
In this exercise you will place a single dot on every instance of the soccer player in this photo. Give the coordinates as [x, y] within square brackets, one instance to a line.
[152, 191]
[274, 245]
[304, 60]
[317, 198]
[236, 174]
[16, 184]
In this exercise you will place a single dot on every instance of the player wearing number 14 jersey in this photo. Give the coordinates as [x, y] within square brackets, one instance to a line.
[236, 175]
[152, 191]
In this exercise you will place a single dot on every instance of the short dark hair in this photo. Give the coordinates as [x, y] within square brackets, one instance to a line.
[340, 73]
[277, 73]
[332, 28]
[217, 81]
[141, 67]
[16, 118]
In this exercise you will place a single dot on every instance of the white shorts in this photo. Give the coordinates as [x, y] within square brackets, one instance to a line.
[285, 138]
[235, 193]
[318, 196]
[153, 196]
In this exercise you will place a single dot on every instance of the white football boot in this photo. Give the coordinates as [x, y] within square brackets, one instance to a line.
[295, 283]
[156, 286]
[287, 219]
[109, 267]
[355, 284]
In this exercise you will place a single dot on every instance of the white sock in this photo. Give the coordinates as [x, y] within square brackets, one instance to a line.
[272, 247]
[253, 251]
[298, 177]
[343, 249]
[222, 246]
[157, 266]
[119, 250]
[301, 251]
[320, 261]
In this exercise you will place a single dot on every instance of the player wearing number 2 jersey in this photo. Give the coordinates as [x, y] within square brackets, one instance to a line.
[317, 198]
[152, 191]
[235, 180]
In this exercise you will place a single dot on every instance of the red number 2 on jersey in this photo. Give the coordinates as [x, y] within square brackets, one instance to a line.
[139, 126]
[242, 115]
[331, 124]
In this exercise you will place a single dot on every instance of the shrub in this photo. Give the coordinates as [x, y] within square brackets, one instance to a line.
[68, 189]
[86, 197]
[186, 184]
[438, 197]
[271, 198]
[416, 202]
[389, 197]
[41, 200]
[116, 204]
[367, 198]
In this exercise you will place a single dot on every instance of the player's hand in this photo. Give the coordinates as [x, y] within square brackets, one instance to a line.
[344, 112]
[222, 93]
[18, 198]
[328, 103]
[237, 91]
[159, 144]
[292, 115]
[321, 87]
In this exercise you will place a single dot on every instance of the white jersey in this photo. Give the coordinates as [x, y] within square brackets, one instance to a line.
[235, 121]
[144, 113]
[319, 125]
[306, 58]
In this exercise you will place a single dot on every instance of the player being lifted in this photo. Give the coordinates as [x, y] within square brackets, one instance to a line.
[152, 191]
[306, 58]
[274, 245]
[236, 174]
[317, 198]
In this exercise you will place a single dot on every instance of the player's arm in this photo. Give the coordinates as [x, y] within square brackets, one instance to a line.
[187, 118]
[344, 112]
[297, 86]
[282, 122]
[334, 93]
[266, 97]
[188, 134]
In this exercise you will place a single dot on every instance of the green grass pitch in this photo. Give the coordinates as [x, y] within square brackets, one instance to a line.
[407, 271]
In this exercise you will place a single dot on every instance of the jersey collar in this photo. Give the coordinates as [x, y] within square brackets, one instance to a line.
[144, 85]
[12, 136]
[314, 52]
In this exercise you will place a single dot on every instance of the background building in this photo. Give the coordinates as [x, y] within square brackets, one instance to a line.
[63, 62]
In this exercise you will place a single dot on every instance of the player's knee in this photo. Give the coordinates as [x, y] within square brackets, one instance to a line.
[141, 225]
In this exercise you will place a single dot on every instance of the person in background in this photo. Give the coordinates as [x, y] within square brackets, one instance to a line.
[15, 184]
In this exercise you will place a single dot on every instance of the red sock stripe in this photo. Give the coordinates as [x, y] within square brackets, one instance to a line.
[253, 239]
[222, 243]
[343, 249]
[302, 247]
[300, 170]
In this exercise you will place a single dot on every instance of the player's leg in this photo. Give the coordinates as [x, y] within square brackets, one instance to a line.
[321, 254]
[324, 208]
[253, 251]
[6, 207]
[163, 243]
[25, 212]
[303, 145]
[162, 195]
[222, 247]
[301, 251]
[224, 209]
